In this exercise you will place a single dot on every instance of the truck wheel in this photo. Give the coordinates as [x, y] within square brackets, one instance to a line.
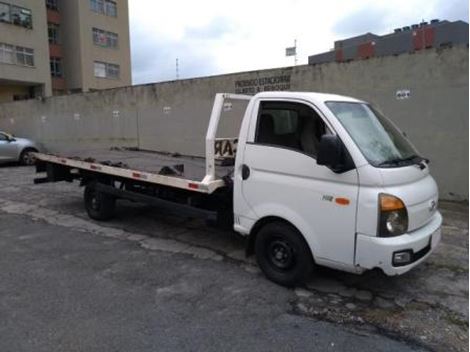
[27, 157]
[282, 254]
[99, 206]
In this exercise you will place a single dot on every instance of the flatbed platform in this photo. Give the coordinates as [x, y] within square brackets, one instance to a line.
[154, 167]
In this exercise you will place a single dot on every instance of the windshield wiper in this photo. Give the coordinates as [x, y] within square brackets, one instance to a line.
[400, 161]
[391, 162]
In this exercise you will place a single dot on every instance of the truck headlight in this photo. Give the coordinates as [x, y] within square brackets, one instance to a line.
[393, 216]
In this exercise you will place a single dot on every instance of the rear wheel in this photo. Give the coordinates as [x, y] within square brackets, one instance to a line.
[27, 157]
[99, 206]
[282, 254]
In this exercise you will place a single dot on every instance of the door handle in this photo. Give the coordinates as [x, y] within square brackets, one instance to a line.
[245, 172]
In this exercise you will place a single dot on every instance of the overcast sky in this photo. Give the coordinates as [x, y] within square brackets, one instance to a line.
[214, 37]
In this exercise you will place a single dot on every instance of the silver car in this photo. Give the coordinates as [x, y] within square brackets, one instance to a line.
[14, 149]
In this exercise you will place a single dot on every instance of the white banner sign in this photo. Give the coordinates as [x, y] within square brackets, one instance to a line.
[291, 51]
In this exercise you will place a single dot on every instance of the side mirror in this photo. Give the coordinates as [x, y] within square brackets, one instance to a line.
[10, 138]
[331, 153]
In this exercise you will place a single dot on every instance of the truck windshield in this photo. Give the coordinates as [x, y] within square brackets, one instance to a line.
[382, 144]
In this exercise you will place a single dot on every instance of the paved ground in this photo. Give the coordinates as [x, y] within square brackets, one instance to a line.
[144, 282]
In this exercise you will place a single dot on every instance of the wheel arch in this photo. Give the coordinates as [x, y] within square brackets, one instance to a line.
[28, 148]
[260, 223]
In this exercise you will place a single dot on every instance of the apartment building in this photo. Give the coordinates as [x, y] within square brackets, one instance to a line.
[95, 43]
[24, 50]
[54, 47]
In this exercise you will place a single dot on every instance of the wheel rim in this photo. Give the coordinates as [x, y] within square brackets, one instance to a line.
[281, 254]
[28, 158]
[94, 203]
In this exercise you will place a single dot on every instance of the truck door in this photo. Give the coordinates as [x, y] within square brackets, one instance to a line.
[280, 177]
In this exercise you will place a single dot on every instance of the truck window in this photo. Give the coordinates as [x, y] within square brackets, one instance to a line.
[290, 125]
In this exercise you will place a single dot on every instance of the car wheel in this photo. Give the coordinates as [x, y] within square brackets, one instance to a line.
[282, 254]
[27, 157]
[99, 206]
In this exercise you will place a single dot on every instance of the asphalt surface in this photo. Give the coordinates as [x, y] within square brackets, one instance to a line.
[146, 282]
[65, 290]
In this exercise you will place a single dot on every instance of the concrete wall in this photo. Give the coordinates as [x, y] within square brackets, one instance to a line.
[173, 116]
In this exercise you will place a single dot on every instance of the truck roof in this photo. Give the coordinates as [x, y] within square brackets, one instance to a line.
[312, 96]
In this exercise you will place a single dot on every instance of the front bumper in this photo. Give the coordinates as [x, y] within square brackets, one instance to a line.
[377, 252]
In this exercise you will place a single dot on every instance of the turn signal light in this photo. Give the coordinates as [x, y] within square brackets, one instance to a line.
[390, 203]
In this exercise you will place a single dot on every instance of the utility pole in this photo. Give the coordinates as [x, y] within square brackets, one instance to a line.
[177, 70]
[295, 48]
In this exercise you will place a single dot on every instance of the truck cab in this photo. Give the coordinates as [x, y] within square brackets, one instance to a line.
[328, 180]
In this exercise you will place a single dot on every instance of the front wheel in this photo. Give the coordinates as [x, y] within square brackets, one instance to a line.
[282, 254]
[99, 206]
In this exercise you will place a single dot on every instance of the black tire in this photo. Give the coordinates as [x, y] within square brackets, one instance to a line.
[99, 206]
[26, 157]
[282, 254]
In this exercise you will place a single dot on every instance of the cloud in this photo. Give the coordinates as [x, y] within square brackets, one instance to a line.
[452, 10]
[383, 17]
[365, 19]
[156, 61]
[154, 58]
[217, 28]
[210, 37]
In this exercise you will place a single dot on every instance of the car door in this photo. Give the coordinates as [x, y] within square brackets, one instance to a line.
[283, 179]
[8, 148]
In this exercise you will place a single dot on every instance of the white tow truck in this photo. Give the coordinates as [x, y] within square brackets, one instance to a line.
[317, 179]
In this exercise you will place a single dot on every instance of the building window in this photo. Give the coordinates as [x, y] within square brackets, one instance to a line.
[53, 32]
[111, 8]
[99, 37]
[100, 69]
[5, 13]
[16, 55]
[7, 54]
[106, 70]
[56, 67]
[97, 6]
[24, 56]
[112, 40]
[106, 39]
[21, 17]
[16, 15]
[52, 5]
[112, 71]
[105, 7]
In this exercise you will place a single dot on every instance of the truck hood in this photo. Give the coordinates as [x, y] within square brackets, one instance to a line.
[416, 188]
